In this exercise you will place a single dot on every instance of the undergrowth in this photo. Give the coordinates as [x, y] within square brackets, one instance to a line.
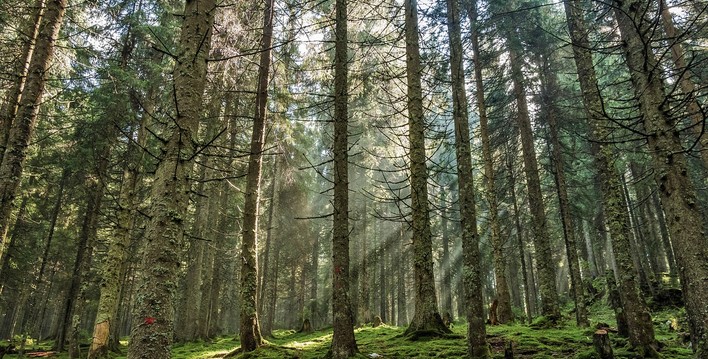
[565, 340]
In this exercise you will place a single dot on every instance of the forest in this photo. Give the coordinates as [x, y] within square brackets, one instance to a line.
[353, 179]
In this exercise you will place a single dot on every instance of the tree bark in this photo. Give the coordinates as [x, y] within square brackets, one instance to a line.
[688, 88]
[343, 341]
[21, 65]
[426, 317]
[23, 126]
[641, 331]
[539, 223]
[152, 331]
[549, 90]
[250, 333]
[471, 257]
[504, 311]
[671, 172]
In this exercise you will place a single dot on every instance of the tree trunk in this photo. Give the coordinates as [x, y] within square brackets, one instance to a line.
[152, 332]
[250, 333]
[539, 224]
[641, 331]
[343, 341]
[426, 317]
[529, 285]
[22, 129]
[471, 257]
[678, 195]
[687, 86]
[504, 311]
[446, 290]
[549, 90]
[21, 65]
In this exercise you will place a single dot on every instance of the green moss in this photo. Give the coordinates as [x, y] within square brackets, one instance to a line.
[564, 340]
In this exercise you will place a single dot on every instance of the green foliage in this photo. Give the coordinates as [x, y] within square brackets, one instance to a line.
[565, 340]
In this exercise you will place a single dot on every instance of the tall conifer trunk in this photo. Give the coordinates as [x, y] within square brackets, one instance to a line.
[426, 317]
[539, 222]
[25, 121]
[250, 332]
[153, 317]
[549, 90]
[671, 172]
[641, 331]
[343, 341]
[504, 311]
[471, 258]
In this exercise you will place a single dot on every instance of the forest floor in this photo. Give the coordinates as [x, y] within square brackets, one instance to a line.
[529, 341]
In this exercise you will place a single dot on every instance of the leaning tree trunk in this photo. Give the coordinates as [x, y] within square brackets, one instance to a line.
[539, 222]
[671, 172]
[25, 121]
[471, 258]
[426, 317]
[504, 311]
[343, 341]
[19, 70]
[641, 331]
[688, 88]
[549, 89]
[151, 336]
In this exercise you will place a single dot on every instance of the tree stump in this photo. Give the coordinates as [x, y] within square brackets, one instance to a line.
[601, 342]
[493, 320]
[447, 319]
[509, 350]
[306, 326]
[377, 322]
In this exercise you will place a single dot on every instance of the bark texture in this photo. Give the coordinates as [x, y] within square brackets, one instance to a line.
[426, 317]
[471, 258]
[671, 172]
[641, 331]
[539, 222]
[151, 336]
[549, 91]
[250, 333]
[25, 121]
[504, 311]
[343, 341]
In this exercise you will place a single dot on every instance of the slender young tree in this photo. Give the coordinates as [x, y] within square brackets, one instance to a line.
[671, 171]
[152, 330]
[343, 341]
[250, 333]
[504, 312]
[471, 258]
[426, 317]
[25, 121]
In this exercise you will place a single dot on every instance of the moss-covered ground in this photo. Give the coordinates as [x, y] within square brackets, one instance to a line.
[529, 341]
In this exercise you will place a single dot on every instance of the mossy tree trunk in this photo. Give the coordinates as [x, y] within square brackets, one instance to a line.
[549, 91]
[343, 341]
[19, 72]
[250, 332]
[504, 311]
[471, 258]
[671, 172]
[426, 317]
[25, 119]
[641, 331]
[152, 331]
[539, 223]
